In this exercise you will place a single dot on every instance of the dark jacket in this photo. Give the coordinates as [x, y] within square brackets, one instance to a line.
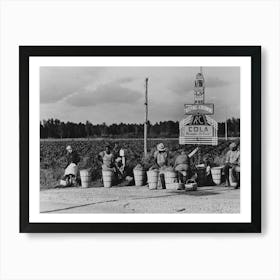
[72, 158]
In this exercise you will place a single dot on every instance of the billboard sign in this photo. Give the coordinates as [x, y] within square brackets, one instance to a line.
[196, 131]
[193, 133]
[197, 127]
[198, 120]
[203, 109]
[198, 97]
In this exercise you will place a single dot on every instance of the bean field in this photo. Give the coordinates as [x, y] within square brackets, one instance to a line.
[53, 160]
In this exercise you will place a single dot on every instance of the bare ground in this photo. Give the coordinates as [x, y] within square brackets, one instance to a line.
[212, 199]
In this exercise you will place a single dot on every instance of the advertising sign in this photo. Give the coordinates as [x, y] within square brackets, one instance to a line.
[198, 98]
[197, 127]
[199, 120]
[197, 131]
[203, 109]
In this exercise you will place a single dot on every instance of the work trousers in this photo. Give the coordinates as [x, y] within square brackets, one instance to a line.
[233, 167]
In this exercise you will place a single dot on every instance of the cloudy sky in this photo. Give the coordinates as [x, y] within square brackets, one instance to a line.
[116, 94]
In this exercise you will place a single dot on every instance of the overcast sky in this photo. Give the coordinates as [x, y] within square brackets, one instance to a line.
[116, 94]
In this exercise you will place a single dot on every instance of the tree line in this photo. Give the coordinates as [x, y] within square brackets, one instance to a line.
[54, 128]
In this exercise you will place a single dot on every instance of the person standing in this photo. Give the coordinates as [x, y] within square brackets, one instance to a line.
[161, 161]
[232, 162]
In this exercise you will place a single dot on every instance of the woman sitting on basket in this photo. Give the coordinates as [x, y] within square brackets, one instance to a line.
[71, 168]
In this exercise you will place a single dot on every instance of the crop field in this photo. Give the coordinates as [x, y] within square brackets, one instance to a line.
[53, 160]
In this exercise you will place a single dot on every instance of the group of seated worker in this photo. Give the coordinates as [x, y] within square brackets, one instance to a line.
[116, 161]
[183, 167]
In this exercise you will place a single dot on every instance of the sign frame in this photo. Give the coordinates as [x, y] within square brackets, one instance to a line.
[211, 226]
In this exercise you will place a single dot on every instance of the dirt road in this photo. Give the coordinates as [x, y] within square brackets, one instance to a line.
[212, 199]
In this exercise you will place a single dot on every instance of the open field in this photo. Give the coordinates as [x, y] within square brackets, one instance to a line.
[211, 199]
[52, 155]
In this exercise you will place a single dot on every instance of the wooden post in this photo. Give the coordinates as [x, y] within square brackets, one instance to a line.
[146, 118]
[226, 129]
[199, 154]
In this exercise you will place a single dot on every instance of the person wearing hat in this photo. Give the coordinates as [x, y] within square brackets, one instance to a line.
[232, 162]
[161, 161]
[71, 168]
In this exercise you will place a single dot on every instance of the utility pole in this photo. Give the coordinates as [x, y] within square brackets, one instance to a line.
[146, 118]
[226, 128]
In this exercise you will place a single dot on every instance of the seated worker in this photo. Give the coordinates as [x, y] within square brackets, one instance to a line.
[209, 179]
[123, 169]
[71, 168]
[120, 164]
[182, 166]
[119, 168]
[233, 162]
[107, 158]
[161, 161]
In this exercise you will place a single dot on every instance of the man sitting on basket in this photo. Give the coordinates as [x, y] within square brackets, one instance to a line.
[161, 162]
[233, 163]
[107, 158]
[182, 166]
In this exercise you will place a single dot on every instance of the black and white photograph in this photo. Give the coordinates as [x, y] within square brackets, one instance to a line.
[133, 135]
[140, 140]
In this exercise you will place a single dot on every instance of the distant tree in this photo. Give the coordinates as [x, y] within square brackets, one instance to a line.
[54, 128]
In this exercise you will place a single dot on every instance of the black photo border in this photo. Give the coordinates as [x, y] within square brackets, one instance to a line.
[250, 51]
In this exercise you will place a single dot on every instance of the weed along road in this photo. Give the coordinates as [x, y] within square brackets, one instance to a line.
[208, 199]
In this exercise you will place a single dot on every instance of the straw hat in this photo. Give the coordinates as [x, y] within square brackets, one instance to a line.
[161, 148]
